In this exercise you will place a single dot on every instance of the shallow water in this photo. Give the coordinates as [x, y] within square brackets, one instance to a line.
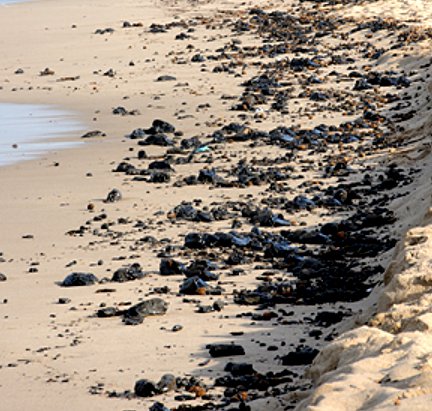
[27, 131]
[10, 1]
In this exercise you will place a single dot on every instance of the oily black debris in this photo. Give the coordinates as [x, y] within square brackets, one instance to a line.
[122, 111]
[113, 196]
[79, 279]
[225, 350]
[303, 210]
[135, 314]
[132, 272]
[94, 133]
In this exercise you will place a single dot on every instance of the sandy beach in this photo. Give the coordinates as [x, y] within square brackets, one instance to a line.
[247, 213]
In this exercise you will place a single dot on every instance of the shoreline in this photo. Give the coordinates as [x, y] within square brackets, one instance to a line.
[48, 133]
[84, 359]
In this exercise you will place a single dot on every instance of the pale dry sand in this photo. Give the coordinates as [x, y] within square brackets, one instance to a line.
[50, 355]
[413, 12]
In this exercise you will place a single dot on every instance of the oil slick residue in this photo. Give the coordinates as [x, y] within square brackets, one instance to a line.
[27, 131]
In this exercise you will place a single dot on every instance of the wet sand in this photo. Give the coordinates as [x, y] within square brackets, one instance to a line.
[311, 215]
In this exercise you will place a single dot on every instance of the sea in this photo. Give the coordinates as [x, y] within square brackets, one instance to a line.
[11, 1]
[27, 131]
